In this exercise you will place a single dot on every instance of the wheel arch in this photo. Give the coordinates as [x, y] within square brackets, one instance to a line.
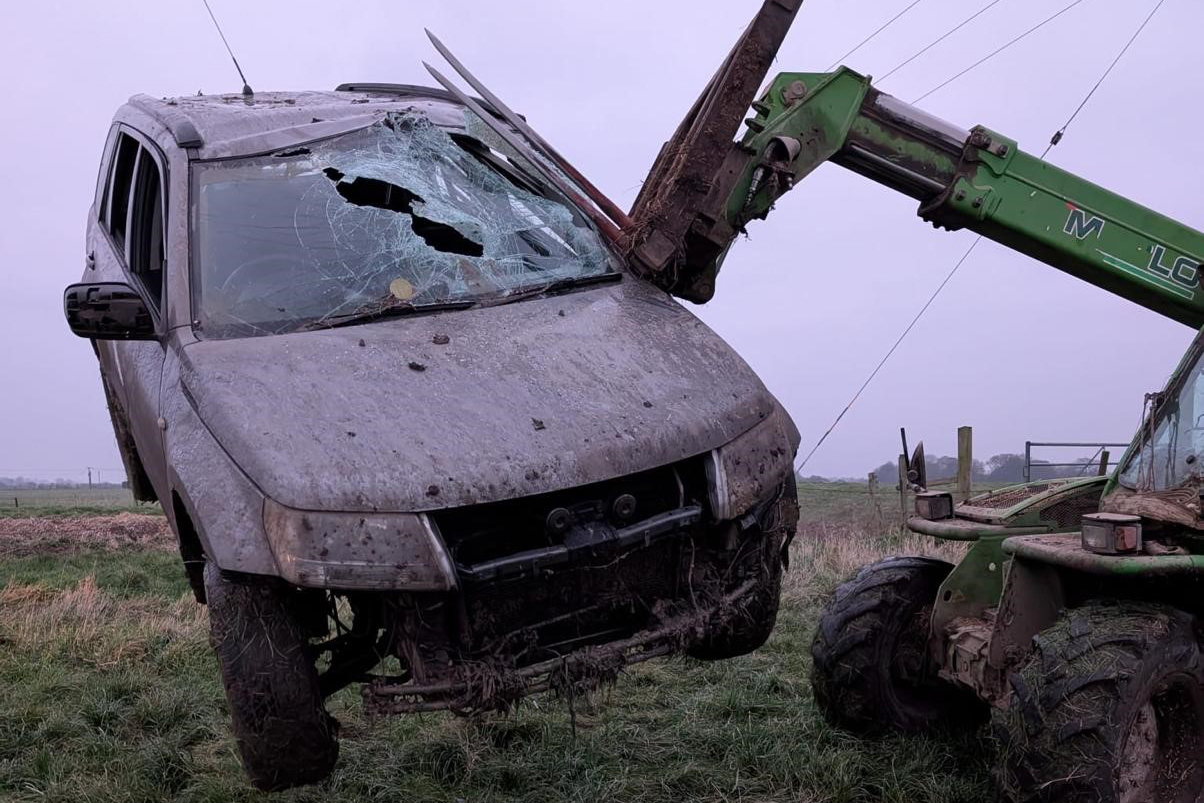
[192, 548]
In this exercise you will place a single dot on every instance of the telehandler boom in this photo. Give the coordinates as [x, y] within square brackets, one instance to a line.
[975, 179]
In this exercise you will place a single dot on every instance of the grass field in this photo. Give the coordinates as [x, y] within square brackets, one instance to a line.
[24, 502]
[111, 694]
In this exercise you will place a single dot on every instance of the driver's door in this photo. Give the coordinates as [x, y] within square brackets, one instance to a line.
[129, 244]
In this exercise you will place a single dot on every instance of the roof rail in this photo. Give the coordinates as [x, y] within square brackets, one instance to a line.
[413, 90]
[181, 127]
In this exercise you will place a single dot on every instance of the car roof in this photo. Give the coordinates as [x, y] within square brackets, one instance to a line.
[219, 126]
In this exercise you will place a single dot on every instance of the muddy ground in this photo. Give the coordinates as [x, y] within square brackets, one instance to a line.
[38, 536]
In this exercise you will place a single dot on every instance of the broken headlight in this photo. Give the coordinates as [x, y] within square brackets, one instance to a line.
[1111, 533]
[748, 469]
[399, 551]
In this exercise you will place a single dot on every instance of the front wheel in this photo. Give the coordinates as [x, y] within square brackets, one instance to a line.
[749, 624]
[1109, 708]
[871, 670]
[284, 735]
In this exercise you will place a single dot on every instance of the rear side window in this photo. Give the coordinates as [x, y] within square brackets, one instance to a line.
[118, 202]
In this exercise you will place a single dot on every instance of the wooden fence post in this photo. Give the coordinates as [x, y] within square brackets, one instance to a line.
[873, 484]
[965, 462]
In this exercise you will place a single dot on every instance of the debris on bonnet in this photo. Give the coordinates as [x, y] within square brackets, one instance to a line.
[401, 289]
[535, 422]
[416, 366]
[440, 340]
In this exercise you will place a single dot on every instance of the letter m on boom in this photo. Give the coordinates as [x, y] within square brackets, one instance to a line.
[1079, 225]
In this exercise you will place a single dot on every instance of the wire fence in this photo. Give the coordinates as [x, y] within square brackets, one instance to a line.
[17, 499]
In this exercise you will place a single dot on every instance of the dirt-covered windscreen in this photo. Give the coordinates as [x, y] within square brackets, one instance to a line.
[399, 217]
[1172, 435]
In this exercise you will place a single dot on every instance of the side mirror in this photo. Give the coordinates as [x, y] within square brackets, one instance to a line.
[108, 311]
[918, 471]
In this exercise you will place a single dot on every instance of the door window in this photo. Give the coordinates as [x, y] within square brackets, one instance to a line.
[146, 227]
[132, 213]
[117, 202]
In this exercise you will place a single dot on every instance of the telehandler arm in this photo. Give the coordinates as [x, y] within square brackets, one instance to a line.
[975, 179]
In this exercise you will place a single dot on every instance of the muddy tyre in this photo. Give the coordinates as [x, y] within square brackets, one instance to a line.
[285, 737]
[1109, 708]
[871, 670]
[749, 625]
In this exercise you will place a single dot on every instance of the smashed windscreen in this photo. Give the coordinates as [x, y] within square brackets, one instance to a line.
[397, 217]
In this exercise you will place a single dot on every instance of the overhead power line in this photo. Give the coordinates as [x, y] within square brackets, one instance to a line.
[940, 39]
[999, 50]
[891, 351]
[1057, 137]
[867, 39]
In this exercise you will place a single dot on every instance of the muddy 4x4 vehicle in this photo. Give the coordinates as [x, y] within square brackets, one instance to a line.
[399, 399]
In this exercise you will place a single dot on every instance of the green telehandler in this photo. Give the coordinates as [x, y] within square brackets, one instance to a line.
[1075, 620]
[1079, 636]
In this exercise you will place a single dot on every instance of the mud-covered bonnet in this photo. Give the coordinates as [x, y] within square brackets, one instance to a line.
[483, 404]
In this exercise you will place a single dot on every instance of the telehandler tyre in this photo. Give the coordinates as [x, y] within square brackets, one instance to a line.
[1109, 708]
[871, 670]
[284, 735]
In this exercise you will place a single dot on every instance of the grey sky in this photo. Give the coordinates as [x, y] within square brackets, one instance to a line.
[812, 299]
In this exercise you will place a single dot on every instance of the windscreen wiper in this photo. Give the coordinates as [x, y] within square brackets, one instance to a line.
[553, 286]
[375, 311]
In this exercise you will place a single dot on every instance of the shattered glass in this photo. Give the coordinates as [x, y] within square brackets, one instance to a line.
[401, 215]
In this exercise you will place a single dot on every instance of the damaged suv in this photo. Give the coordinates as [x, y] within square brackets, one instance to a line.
[414, 422]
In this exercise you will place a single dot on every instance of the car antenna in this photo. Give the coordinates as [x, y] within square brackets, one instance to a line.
[246, 88]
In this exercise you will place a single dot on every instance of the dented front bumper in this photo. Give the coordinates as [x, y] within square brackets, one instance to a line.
[579, 671]
[407, 551]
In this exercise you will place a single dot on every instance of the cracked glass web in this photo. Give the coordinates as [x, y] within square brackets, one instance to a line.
[400, 213]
